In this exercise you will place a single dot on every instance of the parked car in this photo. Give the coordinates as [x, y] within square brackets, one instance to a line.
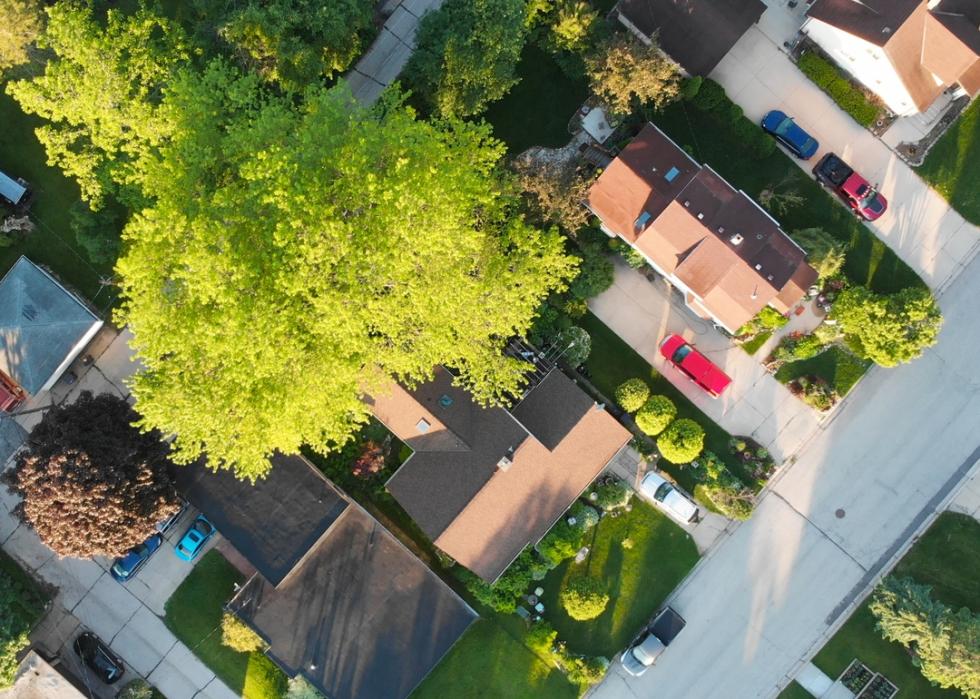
[106, 665]
[785, 130]
[853, 189]
[167, 524]
[698, 368]
[195, 538]
[654, 640]
[126, 567]
[669, 499]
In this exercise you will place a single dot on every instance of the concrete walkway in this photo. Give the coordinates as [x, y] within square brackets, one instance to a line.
[919, 225]
[389, 53]
[642, 313]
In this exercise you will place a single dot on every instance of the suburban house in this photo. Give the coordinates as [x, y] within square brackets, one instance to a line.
[728, 257]
[336, 596]
[43, 328]
[908, 52]
[486, 482]
[695, 33]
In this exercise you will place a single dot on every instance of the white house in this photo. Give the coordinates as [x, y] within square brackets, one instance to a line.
[908, 52]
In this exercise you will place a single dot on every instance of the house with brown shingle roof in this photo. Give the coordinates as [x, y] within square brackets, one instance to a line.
[484, 483]
[723, 251]
[908, 52]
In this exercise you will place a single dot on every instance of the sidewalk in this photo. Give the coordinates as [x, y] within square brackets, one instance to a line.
[642, 313]
[919, 226]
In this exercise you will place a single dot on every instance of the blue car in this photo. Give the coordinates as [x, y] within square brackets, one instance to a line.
[802, 144]
[195, 538]
[126, 567]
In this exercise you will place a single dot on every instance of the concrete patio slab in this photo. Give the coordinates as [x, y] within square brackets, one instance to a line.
[812, 679]
[25, 546]
[106, 608]
[73, 576]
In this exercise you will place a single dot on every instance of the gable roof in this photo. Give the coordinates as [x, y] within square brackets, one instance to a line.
[684, 218]
[274, 522]
[474, 505]
[874, 21]
[41, 324]
[361, 618]
[695, 33]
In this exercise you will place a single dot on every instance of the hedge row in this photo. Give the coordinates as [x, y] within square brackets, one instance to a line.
[831, 80]
[711, 98]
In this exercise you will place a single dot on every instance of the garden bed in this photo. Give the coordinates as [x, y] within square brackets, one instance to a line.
[849, 96]
[837, 367]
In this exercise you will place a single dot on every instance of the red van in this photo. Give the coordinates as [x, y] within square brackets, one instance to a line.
[698, 368]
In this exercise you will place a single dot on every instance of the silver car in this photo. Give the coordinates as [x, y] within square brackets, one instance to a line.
[637, 659]
[669, 499]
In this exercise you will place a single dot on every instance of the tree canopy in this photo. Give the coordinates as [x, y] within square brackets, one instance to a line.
[100, 93]
[888, 329]
[467, 53]
[824, 253]
[295, 259]
[92, 484]
[20, 23]
[627, 73]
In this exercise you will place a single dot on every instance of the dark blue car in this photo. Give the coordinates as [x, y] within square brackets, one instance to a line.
[125, 567]
[802, 144]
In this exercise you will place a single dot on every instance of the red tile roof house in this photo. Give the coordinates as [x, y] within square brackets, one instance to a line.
[908, 52]
[486, 482]
[728, 257]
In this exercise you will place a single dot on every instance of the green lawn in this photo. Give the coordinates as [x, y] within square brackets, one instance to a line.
[488, 662]
[752, 346]
[194, 613]
[869, 261]
[952, 166]
[836, 366]
[946, 557]
[794, 691]
[52, 242]
[29, 601]
[612, 361]
[536, 111]
[638, 579]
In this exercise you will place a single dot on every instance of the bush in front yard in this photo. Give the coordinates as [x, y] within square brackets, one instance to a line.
[682, 442]
[612, 495]
[731, 503]
[584, 598]
[830, 79]
[237, 635]
[595, 273]
[655, 415]
[562, 542]
[709, 95]
[576, 344]
[632, 394]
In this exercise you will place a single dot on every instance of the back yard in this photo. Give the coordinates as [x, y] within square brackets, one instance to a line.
[953, 164]
[947, 557]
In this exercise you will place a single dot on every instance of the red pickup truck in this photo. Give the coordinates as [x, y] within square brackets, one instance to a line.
[856, 191]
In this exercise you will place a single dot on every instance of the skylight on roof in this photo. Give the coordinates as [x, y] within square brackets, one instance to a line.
[672, 173]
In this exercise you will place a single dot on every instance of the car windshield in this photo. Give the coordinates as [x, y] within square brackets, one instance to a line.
[807, 144]
[680, 353]
[870, 199]
[784, 126]
[662, 492]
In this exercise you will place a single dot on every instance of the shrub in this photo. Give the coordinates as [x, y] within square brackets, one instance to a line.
[796, 347]
[625, 72]
[772, 319]
[632, 394]
[830, 79]
[562, 542]
[731, 503]
[137, 689]
[634, 258]
[682, 442]
[709, 95]
[824, 253]
[612, 495]
[584, 598]
[503, 595]
[96, 232]
[540, 638]
[300, 688]
[655, 415]
[585, 517]
[691, 87]
[585, 671]
[888, 329]
[595, 273]
[238, 636]
[576, 343]
[735, 112]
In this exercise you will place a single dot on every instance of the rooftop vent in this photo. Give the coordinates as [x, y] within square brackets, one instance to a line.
[29, 312]
[642, 221]
[769, 277]
[700, 216]
[445, 400]
[736, 239]
[721, 229]
[758, 268]
[506, 461]
[687, 202]
[759, 236]
[672, 174]
[886, 30]
[422, 426]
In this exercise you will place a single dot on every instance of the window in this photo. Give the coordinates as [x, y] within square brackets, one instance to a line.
[672, 174]
[422, 425]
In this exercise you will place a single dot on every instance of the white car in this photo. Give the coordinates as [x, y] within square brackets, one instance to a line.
[669, 499]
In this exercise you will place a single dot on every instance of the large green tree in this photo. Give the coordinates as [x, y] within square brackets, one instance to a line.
[20, 23]
[101, 93]
[299, 42]
[467, 54]
[627, 73]
[888, 329]
[296, 259]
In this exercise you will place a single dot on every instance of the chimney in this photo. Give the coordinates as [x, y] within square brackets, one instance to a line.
[505, 461]
[736, 239]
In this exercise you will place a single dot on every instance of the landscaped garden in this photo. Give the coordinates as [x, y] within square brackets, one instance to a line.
[952, 166]
[22, 603]
[947, 558]
[194, 613]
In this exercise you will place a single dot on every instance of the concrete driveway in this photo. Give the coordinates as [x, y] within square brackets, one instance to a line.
[642, 313]
[919, 225]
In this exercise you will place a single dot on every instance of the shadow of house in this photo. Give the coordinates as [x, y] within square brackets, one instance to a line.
[484, 483]
[338, 599]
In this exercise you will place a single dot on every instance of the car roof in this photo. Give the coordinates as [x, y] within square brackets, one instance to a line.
[705, 372]
[651, 482]
[648, 651]
[676, 501]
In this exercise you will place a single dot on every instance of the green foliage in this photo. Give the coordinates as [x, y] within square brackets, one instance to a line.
[561, 543]
[691, 87]
[734, 504]
[576, 344]
[712, 99]
[632, 394]
[20, 23]
[627, 73]
[612, 495]
[299, 42]
[770, 318]
[573, 25]
[555, 193]
[300, 688]
[654, 416]
[824, 253]
[682, 441]
[279, 236]
[95, 232]
[585, 671]
[100, 93]
[709, 96]
[831, 80]
[20, 606]
[238, 635]
[504, 594]
[721, 488]
[946, 644]
[136, 689]
[585, 517]
[634, 258]
[541, 638]
[595, 273]
[888, 329]
[466, 54]
[584, 598]
[794, 347]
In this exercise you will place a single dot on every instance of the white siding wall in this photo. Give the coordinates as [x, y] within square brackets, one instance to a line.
[865, 61]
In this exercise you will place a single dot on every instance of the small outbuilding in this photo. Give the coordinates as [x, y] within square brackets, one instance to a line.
[12, 191]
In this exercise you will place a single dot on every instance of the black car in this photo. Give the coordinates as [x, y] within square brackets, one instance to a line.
[107, 666]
